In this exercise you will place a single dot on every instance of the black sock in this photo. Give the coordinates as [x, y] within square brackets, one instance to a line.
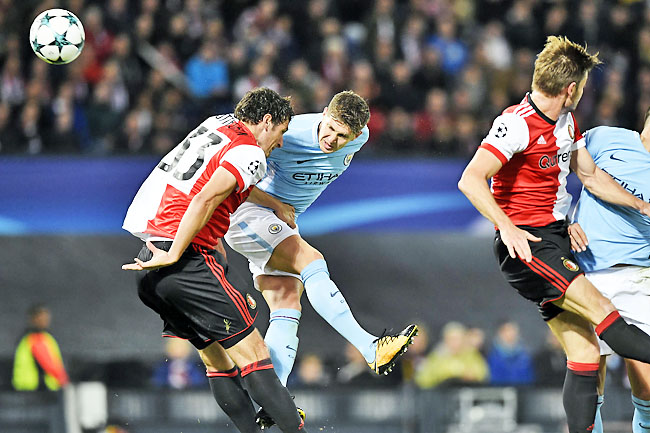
[580, 396]
[268, 392]
[627, 341]
[233, 399]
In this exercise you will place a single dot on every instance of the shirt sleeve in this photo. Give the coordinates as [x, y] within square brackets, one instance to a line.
[247, 163]
[508, 135]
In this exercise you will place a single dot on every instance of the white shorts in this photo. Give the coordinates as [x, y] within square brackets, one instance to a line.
[254, 232]
[628, 287]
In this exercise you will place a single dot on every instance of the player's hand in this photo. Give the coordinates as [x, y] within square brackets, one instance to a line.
[160, 259]
[516, 240]
[578, 237]
[287, 213]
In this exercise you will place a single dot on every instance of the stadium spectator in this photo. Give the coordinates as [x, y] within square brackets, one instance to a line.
[180, 369]
[452, 361]
[38, 365]
[509, 361]
[471, 52]
[311, 371]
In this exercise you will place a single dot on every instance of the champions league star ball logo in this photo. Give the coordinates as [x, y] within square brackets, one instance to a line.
[253, 166]
[501, 131]
[570, 265]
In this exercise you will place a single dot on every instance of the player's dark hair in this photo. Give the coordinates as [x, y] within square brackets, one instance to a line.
[260, 101]
[561, 63]
[351, 109]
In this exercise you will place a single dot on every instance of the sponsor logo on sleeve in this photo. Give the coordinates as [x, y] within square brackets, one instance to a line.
[275, 228]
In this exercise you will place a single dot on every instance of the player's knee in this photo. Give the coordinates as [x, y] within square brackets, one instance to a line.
[587, 353]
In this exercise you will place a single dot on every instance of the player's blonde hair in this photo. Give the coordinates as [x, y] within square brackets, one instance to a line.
[560, 63]
[351, 109]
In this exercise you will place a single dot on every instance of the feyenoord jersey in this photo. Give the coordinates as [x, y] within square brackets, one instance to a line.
[616, 234]
[163, 198]
[300, 171]
[536, 153]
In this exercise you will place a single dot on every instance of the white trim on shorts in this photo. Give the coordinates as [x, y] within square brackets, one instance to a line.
[254, 232]
[628, 287]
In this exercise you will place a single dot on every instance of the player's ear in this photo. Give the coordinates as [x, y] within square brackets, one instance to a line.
[267, 120]
[571, 88]
[325, 111]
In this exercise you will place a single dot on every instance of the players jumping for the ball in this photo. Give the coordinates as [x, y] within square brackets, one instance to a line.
[527, 154]
[316, 150]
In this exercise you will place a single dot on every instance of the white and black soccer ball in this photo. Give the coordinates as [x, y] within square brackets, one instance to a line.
[57, 36]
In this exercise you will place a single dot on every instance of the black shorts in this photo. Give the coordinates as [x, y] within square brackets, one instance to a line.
[549, 274]
[195, 300]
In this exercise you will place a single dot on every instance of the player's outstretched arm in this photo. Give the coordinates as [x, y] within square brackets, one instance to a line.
[474, 184]
[198, 213]
[601, 184]
[284, 211]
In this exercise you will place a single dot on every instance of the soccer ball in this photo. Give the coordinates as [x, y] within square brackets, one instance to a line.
[57, 36]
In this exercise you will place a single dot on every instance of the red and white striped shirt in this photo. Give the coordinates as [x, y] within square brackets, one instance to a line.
[536, 153]
[163, 198]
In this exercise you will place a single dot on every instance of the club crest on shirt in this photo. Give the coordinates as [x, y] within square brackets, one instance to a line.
[570, 265]
[250, 301]
[571, 132]
[275, 229]
[348, 158]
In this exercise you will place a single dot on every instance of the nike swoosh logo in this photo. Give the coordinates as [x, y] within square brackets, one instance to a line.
[615, 159]
[291, 348]
[646, 427]
[334, 293]
[303, 161]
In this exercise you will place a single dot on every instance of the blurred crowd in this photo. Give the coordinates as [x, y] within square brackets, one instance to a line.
[435, 72]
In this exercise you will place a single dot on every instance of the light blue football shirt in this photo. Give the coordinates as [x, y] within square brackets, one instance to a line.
[299, 171]
[616, 234]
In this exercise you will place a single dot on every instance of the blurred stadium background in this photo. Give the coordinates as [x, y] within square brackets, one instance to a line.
[403, 244]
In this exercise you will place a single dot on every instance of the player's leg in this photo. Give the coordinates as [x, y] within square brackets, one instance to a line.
[227, 388]
[252, 355]
[639, 375]
[295, 255]
[602, 373]
[282, 294]
[581, 383]
[582, 298]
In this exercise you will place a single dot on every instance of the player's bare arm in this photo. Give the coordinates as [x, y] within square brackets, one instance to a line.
[473, 183]
[601, 184]
[284, 211]
[221, 185]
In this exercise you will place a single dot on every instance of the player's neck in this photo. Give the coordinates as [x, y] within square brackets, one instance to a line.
[551, 106]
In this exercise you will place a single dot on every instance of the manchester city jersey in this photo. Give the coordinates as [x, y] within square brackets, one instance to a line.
[616, 234]
[299, 171]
